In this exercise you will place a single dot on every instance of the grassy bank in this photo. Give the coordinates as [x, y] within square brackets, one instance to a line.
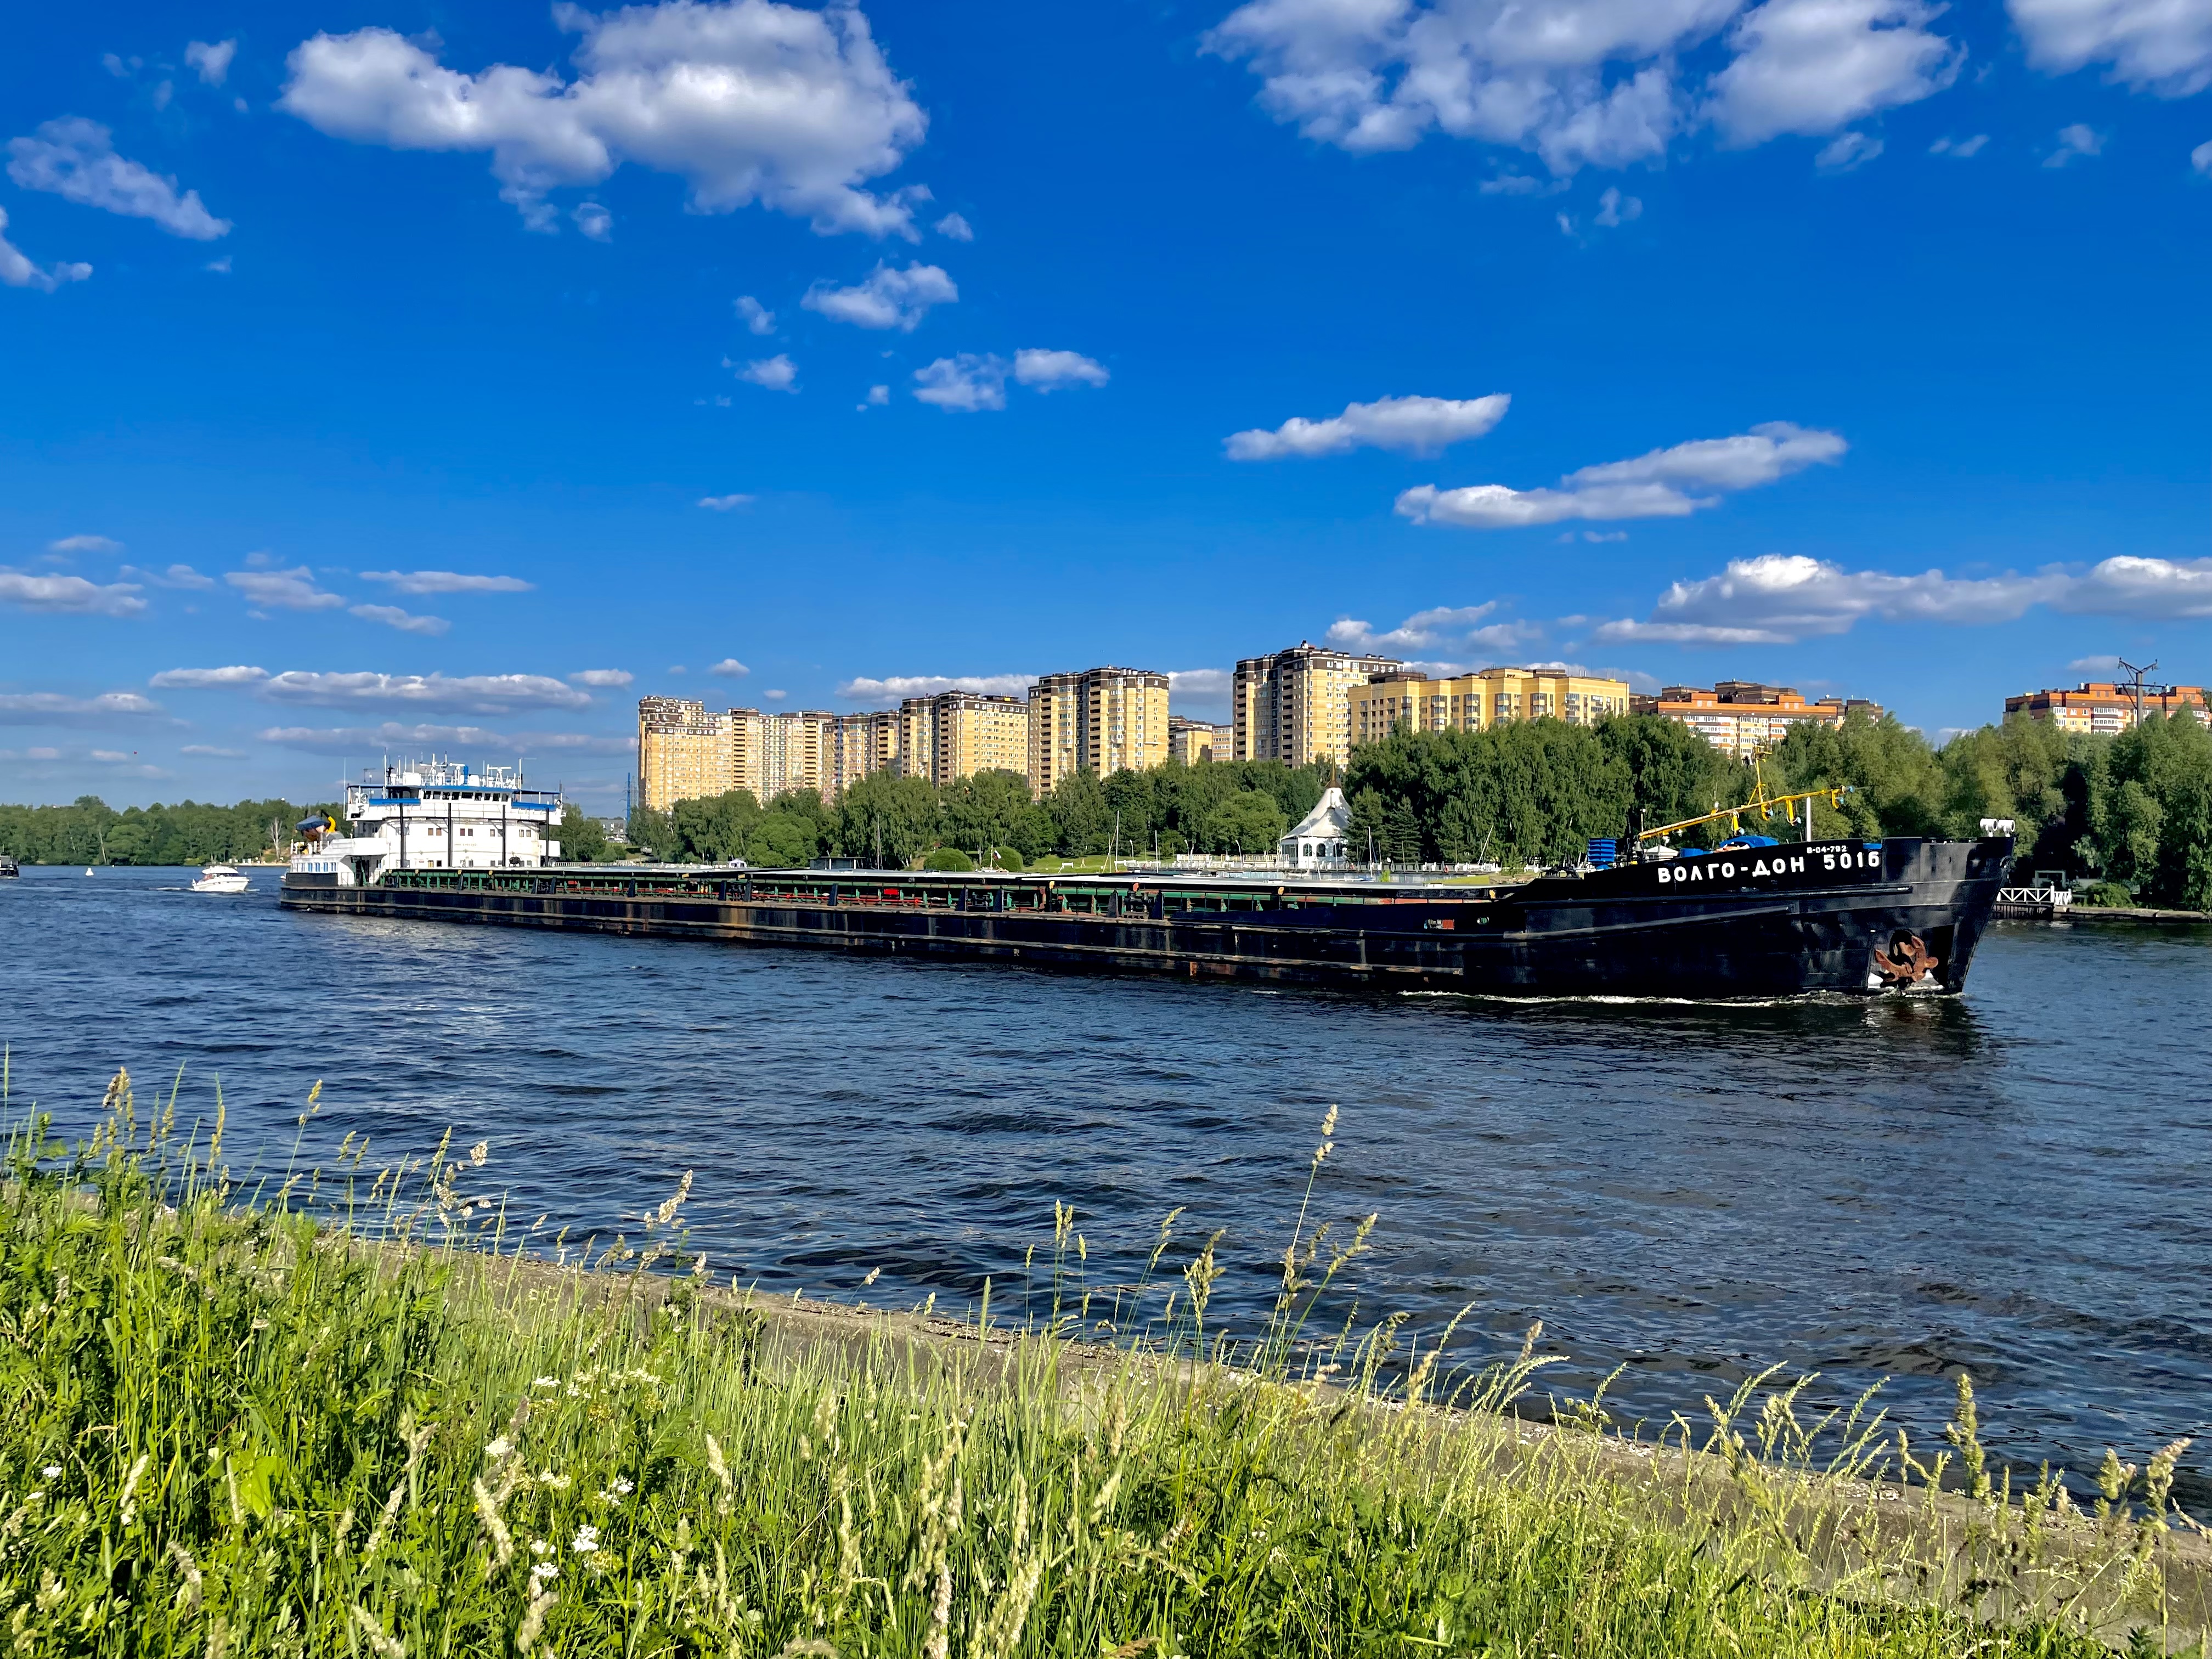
[233, 1429]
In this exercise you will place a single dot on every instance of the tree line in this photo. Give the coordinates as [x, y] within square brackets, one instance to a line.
[90, 831]
[1229, 806]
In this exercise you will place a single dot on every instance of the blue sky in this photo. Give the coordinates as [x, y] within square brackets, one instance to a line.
[404, 375]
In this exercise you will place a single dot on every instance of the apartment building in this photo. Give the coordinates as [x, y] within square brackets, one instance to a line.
[1743, 718]
[1193, 741]
[1294, 706]
[957, 734]
[683, 752]
[2102, 706]
[1099, 721]
[863, 744]
[1490, 696]
[800, 751]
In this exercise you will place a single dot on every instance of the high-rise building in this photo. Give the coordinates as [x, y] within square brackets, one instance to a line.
[683, 752]
[2099, 706]
[1099, 721]
[1489, 696]
[800, 751]
[865, 744]
[1194, 741]
[957, 734]
[1743, 718]
[1294, 706]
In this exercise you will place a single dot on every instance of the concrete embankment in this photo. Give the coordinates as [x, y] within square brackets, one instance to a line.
[1871, 1541]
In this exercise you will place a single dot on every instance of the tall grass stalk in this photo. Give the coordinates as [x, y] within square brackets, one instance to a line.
[386, 1425]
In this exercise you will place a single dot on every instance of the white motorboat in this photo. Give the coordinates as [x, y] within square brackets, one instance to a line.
[221, 878]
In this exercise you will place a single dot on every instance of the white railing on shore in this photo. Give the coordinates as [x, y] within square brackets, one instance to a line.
[2048, 898]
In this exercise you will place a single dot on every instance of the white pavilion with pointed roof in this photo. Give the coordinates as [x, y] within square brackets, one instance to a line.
[1323, 836]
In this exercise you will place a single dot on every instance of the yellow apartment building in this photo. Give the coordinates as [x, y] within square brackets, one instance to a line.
[1489, 696]
[864, 743]
[1099, 721]
[957, 734]
[1194, 741]
[683, 752]
[1294, 706]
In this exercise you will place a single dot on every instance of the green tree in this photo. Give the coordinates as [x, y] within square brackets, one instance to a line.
[982, 811]
[583, 840]
[887, 819]
[1250, 822]
[653, 833]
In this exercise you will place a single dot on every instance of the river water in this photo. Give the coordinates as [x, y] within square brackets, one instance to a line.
[2015, 1182]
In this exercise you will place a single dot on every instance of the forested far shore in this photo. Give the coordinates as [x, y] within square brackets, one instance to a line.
[2133, 811]
[90, 831]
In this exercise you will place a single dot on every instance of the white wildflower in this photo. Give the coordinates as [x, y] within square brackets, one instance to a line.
[52, 1471]
[622, 1488]
[544, 1382]
[558, 1482]
[539, 1546]
[498, 1449]
[543, 1573]
[586, 1541]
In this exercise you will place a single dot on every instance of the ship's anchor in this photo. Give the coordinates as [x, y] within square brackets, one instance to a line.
[1912, 962]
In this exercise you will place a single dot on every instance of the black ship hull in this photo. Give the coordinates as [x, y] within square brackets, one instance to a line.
[1858, 918]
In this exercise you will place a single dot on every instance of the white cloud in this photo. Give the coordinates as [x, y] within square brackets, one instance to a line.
[1961, 149]
[2163, 46]
[775, 697]
[1614, 208]
[487, 694]
[724, 503]
[211, 60]
[177, 575]
[1847, 152]
[896, 687]
[1442, 627]
[1201, 684]
[349, 741]
[955, 228]
[730, 669]
[18, 271]
[85, 544]
[70, 594]
[212, 751]
[1811, 66]
[885, 298]
[594, 221]
[1417, 426]
[220, 267]
[747, 101]
[76, 159]
[52, 709]
[2075, 140]
[776, 373]
[1048, 371]
[283, 590]
[2201, 158]
[405, 621]
[200, 679]
[2093, 665]
[446, 581]
[964, 384]
[1657, 485]
[2153, 590]
[756, 316]
[1778, 598]
[608, 678]
[877, 398]
[1576, 81]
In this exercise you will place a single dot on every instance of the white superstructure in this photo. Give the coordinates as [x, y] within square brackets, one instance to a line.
[434, 815]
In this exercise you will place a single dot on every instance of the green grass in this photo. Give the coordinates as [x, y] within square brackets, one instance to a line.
[231, 1430]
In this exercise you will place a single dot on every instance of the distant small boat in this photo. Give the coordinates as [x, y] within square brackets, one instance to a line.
[218, 879]
[9, 870]
[88, 869]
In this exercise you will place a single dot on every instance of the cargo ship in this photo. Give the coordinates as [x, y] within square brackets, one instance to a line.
[1753, 918]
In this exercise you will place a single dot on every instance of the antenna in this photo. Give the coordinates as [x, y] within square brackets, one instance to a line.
[2138, 673]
